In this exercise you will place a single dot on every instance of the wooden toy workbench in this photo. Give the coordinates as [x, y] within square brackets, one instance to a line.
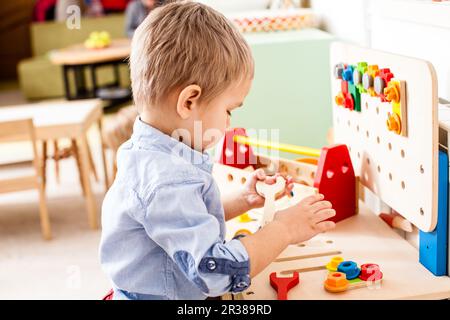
[393, 147]
[364, 238]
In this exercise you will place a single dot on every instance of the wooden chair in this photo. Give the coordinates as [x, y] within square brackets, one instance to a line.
[117, 132]
[15, 177]
[60, 154]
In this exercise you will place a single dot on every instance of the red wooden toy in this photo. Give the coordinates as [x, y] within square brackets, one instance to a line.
[386, 75]
[335, 179]
[283, 285]
[236, 154]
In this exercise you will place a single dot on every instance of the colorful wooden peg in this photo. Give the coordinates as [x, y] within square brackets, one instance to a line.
[337, 282]
[395, 94]
[358, 73]
[382, 81]
[370, 272]
[334, 263]
[350, 269]
[244, 218]
[368, 79]
[347, 74]
[340, 99]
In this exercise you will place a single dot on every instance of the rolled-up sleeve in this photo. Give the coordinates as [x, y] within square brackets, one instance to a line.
[177, 219]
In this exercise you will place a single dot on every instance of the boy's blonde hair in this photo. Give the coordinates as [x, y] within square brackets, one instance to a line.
[184, 43]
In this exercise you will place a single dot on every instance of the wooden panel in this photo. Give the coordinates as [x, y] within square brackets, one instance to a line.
[398, 169]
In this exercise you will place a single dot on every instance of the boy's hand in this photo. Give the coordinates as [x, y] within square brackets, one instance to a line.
[252, 197]
[306, 219]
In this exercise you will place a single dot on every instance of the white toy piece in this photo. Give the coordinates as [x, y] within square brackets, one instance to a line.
[269, 192]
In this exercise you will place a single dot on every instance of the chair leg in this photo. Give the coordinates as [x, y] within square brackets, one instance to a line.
[56, 159]
[91, 162]
[77, 159]
[44, 163]
[43, 212]
[85, 167]
[103, 147]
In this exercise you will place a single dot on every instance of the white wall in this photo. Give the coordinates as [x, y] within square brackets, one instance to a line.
[231, 6]
[347, 19]
[415, 28]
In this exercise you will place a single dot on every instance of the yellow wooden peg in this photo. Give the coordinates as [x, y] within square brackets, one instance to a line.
[244, 218]
[278, 146]
[395, 93]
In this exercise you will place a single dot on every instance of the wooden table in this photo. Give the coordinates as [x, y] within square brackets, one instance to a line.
[56, 120]
[363, 238]
[77, 58]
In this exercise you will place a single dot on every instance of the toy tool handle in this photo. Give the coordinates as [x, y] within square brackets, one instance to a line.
[282, 294]
[283, 285]
[269, 209]
[269, 192]
[306, 151]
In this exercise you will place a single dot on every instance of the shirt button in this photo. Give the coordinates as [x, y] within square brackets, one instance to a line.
[242, 284]
[211, 264]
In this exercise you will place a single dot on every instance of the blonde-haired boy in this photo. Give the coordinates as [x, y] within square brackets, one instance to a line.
[163, 218]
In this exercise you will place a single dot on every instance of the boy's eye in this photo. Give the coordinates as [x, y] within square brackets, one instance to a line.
[229, 112]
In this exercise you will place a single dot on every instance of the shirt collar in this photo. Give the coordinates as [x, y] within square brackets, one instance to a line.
[164, 142]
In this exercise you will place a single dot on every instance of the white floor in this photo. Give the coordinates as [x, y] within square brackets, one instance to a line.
[67, 267]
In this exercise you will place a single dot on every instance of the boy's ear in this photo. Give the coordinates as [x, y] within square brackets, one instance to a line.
[187, 100]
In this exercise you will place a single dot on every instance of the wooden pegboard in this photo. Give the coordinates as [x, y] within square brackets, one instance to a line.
[401, 170]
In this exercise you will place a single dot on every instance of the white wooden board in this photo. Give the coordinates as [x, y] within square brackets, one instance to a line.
[402, 171]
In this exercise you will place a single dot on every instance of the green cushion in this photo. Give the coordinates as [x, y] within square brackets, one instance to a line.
[55, 35]
[39, 78]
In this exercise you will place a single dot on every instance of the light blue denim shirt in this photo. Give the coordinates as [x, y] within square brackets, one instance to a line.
[163, 224]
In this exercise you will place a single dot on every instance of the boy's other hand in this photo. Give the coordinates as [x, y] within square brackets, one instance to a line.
[253, 198]
[307, 218]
